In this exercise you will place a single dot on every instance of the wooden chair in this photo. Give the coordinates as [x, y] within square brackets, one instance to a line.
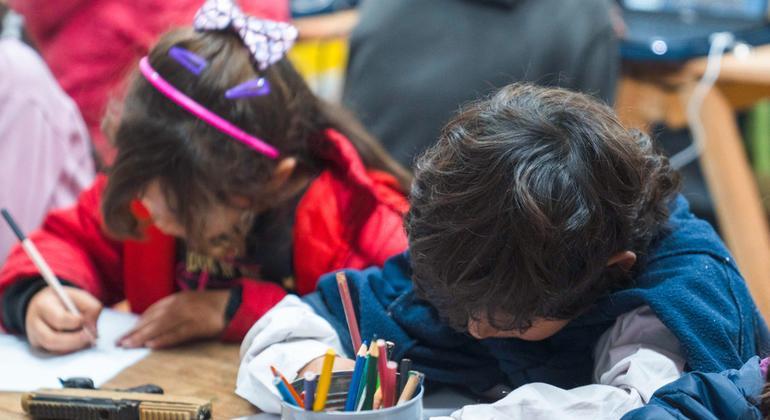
[656, 93]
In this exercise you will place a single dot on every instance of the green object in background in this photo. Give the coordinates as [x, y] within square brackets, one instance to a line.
[758, 136]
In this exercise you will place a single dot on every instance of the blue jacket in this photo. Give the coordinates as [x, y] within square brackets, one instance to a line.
[732, 394]
[688, 279]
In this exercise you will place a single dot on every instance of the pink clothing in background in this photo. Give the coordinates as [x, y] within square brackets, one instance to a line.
[45, 152]
[91, 45]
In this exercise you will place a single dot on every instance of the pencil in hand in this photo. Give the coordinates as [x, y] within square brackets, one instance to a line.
[45, 271]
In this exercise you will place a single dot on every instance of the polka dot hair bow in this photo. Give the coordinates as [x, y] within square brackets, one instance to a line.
[267, 40]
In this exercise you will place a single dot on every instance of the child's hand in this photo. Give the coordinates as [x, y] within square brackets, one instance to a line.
[315, 365]
[52, 328]
[178, 318]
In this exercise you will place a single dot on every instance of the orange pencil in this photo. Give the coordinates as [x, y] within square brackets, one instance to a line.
[291, 389]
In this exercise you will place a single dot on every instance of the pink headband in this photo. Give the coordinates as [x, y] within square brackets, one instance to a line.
[202, 112]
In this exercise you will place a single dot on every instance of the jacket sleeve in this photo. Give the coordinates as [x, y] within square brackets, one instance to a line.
[73, 243]
[731, 394]
[256, 298]
[290, 336]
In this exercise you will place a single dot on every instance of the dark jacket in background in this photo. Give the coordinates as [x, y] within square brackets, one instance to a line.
[414, 62]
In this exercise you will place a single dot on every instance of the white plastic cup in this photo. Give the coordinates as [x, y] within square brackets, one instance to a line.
[338, 392]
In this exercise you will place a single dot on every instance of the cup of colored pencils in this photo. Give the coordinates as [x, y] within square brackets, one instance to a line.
[367, 392]
[377, 388]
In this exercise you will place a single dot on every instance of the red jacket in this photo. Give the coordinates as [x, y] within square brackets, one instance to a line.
[92, 45]
[348, 217]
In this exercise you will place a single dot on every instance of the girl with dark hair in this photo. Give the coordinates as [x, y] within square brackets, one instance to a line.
[552, 268]
[233, 185]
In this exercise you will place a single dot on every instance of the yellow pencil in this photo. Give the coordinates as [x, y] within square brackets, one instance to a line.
[324, 381]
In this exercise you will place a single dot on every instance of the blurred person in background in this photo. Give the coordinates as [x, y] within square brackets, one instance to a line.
[413, 63]
[44, 144]
[91, 45]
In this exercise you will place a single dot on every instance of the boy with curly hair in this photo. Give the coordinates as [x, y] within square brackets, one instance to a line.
[550, 256]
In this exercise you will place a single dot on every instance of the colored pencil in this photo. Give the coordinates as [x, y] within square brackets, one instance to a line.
[309, 386]
[403, 374]
[415, 378]
[389, 395]
[371, 377]
[350, 313]
[358, 370]
[285, 394]
[362, 382]
[45, 271]
[322, 390]
[289, 386]
[377, 402]
[382, 367]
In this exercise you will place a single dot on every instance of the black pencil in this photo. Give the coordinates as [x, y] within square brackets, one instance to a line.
[403, 374]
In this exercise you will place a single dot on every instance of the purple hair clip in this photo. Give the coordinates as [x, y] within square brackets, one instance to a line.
[188, 59]
[253, 87]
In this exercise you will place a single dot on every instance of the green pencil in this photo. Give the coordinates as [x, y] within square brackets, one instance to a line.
[371, 376]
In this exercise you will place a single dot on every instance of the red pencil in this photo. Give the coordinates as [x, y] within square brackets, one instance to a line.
[350, 313]
[382, 368]
[291, 389]
[392, 367]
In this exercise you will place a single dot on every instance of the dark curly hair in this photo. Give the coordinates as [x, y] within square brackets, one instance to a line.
[526, 196]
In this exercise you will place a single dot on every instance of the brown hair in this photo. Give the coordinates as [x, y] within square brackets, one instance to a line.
[196, 164]
[517, 209]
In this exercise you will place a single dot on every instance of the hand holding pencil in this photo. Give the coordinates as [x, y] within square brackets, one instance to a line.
[59, 319]
[53, 328]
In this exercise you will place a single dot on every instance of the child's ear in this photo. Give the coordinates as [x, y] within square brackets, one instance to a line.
[283, 172]
[624, 259]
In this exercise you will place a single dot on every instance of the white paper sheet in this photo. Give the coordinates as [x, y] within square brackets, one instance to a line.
[24, 369]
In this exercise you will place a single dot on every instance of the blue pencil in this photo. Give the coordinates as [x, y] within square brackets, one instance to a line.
[285, 394]
[311, 380]
[350, 402]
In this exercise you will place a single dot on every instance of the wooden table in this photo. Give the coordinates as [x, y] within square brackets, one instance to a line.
[204, 370]
[655, 93]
